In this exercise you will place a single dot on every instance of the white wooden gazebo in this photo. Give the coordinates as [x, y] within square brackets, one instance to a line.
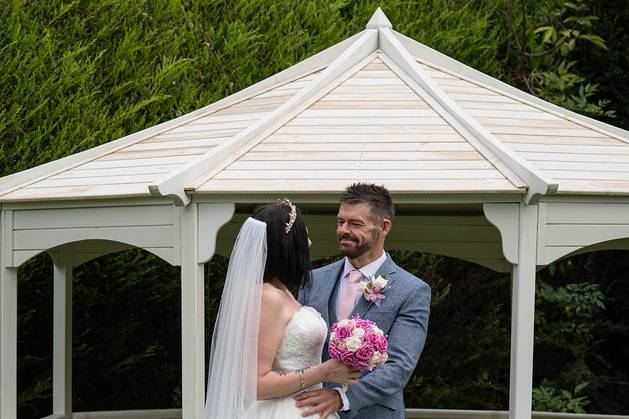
[479, 171]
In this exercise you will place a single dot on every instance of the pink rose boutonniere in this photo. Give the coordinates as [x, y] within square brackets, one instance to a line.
[373, 290]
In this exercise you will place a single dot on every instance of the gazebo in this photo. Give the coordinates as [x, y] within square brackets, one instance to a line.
[479, 170]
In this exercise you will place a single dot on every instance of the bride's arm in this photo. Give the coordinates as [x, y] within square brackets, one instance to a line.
[274, 317]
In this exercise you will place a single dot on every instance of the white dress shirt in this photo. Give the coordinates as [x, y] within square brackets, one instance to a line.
[368, 271]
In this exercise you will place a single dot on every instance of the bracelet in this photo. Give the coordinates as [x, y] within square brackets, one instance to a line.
[301, 379]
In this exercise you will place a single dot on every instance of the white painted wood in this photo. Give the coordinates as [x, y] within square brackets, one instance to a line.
[139, 236]
[410, 413]
[555, 139]
[538, 182]
[307, 66]
[378, 20]
[152, 227]
[492, 414]
[167, 254]
[192, 317]
[305, 138]
[211, 218]
[364, 155]
[444, 63]
[107, 216]
[130, 414]
[506, 218]
[523, 316]
[364, 113]
[173, 185]
[255, 165]
[367, 129]
[116, 171]
[131, 190]
[323, 186]
[384, 175]
[8, 321]
[112, 164]
[62, 335]
[222, 155]
[455, 124]
[364, 147]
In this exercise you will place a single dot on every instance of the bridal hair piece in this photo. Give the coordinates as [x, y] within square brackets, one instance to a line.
[232, 377]
[293, 212]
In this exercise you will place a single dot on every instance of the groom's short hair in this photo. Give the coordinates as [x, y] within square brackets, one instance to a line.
[377, 197]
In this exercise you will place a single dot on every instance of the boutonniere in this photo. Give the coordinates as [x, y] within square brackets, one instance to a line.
[374, 289]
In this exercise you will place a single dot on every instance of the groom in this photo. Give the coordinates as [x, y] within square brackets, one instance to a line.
[363, 222]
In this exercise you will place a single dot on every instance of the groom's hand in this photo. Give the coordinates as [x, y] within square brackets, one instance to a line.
[324, 402]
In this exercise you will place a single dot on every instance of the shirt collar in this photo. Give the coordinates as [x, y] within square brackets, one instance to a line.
[368, 270]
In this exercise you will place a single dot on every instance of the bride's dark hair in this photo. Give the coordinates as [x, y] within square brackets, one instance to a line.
[288, 256]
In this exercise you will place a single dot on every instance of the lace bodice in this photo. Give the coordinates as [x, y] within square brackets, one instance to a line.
[303, 341]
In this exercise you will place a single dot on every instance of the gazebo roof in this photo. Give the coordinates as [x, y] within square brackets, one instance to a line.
[376, 107]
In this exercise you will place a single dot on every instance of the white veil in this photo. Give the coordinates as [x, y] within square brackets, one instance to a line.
[232, 377]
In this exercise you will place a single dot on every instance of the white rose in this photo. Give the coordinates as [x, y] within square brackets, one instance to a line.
[332, 335]
[343, 322]
[352, 343]
[358, 332]
[379, 281]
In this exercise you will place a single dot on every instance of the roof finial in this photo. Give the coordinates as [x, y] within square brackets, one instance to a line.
[379, 20]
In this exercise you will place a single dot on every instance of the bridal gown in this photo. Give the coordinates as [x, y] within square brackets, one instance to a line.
[301, 348]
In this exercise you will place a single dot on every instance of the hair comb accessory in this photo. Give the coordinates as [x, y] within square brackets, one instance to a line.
[293, 213]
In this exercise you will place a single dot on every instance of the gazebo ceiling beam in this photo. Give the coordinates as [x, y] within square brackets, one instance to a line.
[538, 183]
[198, 171]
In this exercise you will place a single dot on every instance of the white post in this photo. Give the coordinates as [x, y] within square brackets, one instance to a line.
[200, 223]
[192, 318]
[62, 336]
[522, 316]
[8, 321]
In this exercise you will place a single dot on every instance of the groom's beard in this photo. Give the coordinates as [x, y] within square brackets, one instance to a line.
[357, 249]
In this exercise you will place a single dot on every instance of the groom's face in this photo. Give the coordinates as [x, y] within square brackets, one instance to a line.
[355, 229]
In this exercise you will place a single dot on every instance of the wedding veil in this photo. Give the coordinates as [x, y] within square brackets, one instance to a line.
[232, 377]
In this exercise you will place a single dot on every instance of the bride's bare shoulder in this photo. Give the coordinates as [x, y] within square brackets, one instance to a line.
[272, 297]
[275, 302]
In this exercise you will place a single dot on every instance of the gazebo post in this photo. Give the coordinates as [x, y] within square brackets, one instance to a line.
[192, 318]
[62, 335]
[522, 315]
[8, 322]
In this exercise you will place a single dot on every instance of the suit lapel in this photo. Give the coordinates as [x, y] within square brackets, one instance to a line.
[327, 292]
[388, 268]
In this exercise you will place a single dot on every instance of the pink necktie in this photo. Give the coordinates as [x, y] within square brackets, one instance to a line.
[348, 298]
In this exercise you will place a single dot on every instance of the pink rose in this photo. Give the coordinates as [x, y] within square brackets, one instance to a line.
[341, 345]
[383, 344]
[334, 352]
[373, 338]
[365, 352]
[343, 332]
[348, 358]
[361, 365]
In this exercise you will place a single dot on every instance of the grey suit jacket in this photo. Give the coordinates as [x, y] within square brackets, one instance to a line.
[402, 315]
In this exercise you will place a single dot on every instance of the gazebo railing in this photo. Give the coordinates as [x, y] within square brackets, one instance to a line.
[410, 414]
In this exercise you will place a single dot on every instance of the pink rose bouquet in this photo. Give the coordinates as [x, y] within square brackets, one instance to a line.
[358, 343]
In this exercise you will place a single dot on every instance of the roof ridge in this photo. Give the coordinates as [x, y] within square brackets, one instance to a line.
[538, 183]
[175, 184]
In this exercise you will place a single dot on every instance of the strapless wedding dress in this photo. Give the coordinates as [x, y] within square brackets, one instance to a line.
[300, 349]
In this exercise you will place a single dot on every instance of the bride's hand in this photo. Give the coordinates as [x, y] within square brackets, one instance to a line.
[337, 372]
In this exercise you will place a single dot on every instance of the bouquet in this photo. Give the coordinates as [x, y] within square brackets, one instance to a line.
[358, 343]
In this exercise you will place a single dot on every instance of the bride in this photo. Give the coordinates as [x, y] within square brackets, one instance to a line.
[266, 347]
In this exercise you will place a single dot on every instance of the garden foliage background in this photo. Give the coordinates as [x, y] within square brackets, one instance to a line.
[76, 74]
